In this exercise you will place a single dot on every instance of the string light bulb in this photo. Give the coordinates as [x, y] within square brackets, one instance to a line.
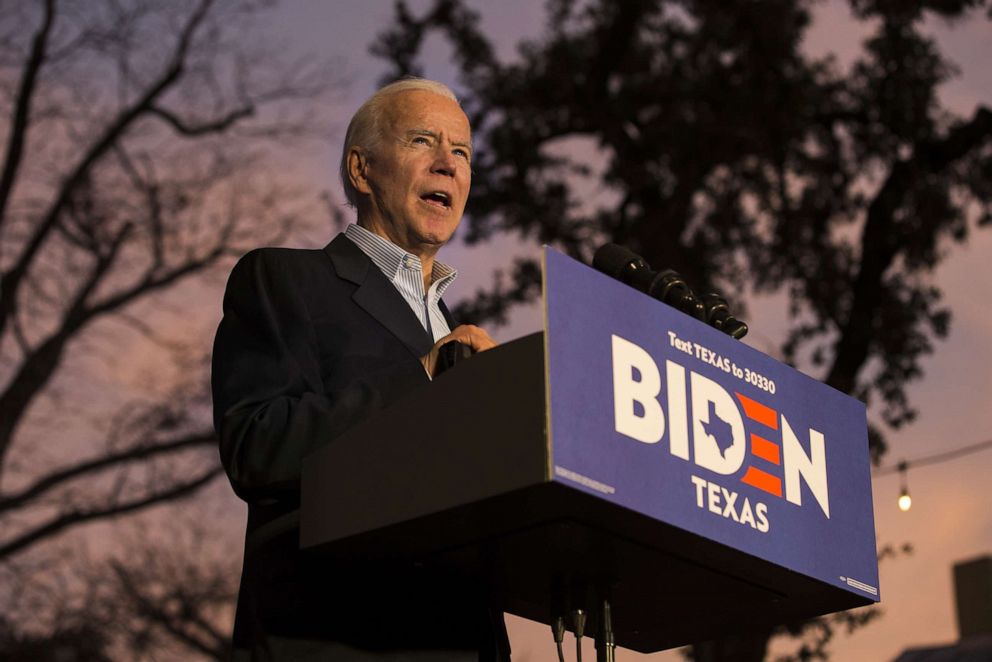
[905, 501]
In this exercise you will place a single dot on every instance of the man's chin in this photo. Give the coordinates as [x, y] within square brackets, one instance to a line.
[436, 238]
[434, 243]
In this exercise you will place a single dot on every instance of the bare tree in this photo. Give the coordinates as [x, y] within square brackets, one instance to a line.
[165, 595]
[138, 159]
[164, 600]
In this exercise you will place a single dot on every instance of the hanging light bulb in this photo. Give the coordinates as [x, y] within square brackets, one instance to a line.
[905, 501]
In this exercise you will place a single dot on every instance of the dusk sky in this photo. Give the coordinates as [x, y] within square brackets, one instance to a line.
[951, 518]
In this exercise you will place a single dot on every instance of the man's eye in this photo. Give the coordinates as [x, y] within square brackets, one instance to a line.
[422, 140]
[462, 153]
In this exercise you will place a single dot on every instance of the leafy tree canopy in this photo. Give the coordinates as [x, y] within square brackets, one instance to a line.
[726, 152]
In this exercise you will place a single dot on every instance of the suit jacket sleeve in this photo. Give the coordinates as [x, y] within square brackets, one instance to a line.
[271, 407]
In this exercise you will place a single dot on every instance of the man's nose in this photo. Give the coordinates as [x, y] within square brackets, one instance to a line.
[445, 163]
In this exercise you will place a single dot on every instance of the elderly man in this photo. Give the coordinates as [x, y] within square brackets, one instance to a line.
[315, 341]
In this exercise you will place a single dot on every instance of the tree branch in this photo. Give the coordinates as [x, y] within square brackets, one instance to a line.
[194, 130]
[75, 518]
[153, 199]
[37, 367]
[56, 479]
[854, 343]
[152, 283]
[22, 109]
[153, 608]
[13, 278]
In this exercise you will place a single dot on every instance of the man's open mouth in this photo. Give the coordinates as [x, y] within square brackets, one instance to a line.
[437, 198]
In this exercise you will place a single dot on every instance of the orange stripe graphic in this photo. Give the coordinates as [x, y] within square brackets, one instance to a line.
[759, 412]
[763, 481]
[766, 450]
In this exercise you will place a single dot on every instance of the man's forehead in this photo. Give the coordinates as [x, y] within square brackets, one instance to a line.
[420, 110]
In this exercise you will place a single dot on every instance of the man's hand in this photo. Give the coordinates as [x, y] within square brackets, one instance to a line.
[467, 334]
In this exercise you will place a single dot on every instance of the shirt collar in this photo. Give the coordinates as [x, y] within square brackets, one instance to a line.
[390, 258]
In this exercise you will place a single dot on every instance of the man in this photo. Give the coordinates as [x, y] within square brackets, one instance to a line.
[315, 341]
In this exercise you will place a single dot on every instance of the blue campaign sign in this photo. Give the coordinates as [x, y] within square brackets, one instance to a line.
[659, 413]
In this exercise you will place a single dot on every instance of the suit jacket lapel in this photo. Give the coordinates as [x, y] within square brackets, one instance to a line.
[448, 317]
[377, 296]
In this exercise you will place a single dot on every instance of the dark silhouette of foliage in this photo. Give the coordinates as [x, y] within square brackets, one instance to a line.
[73, 644]
[723, 151]
[700, 135]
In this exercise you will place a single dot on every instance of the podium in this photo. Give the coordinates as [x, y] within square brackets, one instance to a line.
[627, 453]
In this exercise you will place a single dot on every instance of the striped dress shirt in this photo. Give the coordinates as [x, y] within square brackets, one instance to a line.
[406, 273]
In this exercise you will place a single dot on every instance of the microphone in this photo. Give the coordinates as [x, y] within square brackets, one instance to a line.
[718, 316]
[621, 263]
[450, 354]
[666, 286]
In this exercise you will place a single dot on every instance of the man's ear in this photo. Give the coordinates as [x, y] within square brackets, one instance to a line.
[358, 167]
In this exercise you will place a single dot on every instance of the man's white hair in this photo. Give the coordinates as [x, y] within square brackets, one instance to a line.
[365, 128]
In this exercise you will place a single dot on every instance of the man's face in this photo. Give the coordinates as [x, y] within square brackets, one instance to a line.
[418, 175]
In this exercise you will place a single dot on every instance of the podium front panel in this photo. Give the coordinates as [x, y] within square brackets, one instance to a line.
[654, 411]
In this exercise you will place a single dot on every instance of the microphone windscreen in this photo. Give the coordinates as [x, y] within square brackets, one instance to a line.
[611, 259]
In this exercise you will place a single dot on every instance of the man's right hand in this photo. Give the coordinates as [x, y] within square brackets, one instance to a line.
[467, 334]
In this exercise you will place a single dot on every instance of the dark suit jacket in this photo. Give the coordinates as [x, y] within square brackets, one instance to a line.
[311, 343]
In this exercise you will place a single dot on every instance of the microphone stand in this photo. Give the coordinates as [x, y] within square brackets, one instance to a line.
[605, 644]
